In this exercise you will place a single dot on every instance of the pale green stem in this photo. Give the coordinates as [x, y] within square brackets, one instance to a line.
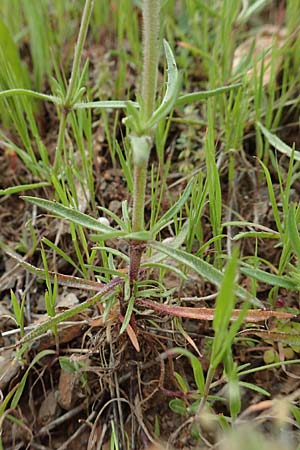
[86, 15]
[140, 174]
[60, 140]
[88, 7]
[151, 21]
[29, 93]
[209, 379]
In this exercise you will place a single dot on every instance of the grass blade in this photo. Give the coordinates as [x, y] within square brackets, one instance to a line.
[203, 268]
[203, 95]
[278, 144]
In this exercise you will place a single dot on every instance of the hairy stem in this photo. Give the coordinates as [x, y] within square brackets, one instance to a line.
[151, 21]
[140, 174]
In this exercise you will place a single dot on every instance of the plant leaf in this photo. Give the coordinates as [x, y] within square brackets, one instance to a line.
[257, 235]
[195, 363]
[86, 221]
[203, 268]
[172, 89]
[65, 315]
[127, 317]
[293, 230]
[274, 336]
[29, 93]
[24, 187]
[107, 104]
[173, 242]
[203, 95]
[163, 221]
[254, 388]
[19, 391]
[70, 214]
[277, 143]
[132, 335]
[269, 278]
[10, 54]
[64, 280]
[272, 198]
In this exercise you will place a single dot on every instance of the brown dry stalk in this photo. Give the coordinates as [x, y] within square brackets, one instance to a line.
[252, 315]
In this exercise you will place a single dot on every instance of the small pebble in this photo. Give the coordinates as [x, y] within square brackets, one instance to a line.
[104, 221]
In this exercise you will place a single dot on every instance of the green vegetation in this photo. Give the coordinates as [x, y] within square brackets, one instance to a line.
[167, 162]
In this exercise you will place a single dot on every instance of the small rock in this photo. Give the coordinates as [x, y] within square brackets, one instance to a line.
[115, 206]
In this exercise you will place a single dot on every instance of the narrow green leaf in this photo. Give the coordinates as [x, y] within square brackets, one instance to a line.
[166, 267]
[114, 216]
[293, 230]
[66, 315]
[224, 306]
[239, 223]
[29, 93]
[266, 277]
[203, 268]
[114, 252]
[22, 188]
[198, 374]
[170, 97]
[277, 143]
[61, 253]
[136, 236]
[296, 413]
[9, 52]
[257, 235]
[70, 214]
[128, 314]
[203, 95]
[196, 365]
[272, 198]
[6, 401]
[21, 386]
[64, 280]
[269, 366]
[109, 104]
[164, 220]
[174, 242]
[178, 406]
[181, 382]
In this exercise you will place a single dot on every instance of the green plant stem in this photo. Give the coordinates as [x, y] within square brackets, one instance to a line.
[72, 86]
[30, 93]
[60, 140]
[151, 20]
[209, 379]
[88, 7]
[139, 186]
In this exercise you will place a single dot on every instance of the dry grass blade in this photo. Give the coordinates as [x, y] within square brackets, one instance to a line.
[64, 280]
[253, 315]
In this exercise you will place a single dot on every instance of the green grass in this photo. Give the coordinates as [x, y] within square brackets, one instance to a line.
[196, 144]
